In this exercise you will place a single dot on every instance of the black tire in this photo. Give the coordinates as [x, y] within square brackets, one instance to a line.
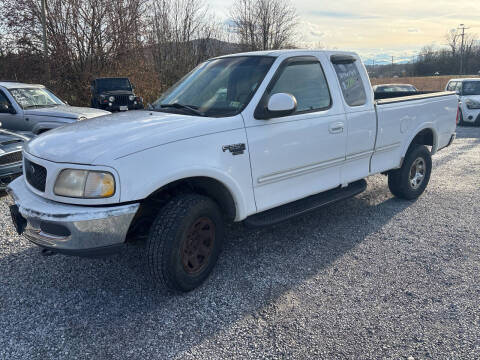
[460, 119]
[400, 181]
[168, 243]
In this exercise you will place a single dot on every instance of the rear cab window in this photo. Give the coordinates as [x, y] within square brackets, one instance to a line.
[351, 83]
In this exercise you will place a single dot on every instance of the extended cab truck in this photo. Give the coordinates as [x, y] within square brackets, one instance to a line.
[255, 137]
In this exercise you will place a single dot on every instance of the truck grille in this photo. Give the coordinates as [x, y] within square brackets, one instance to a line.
[11, 158]
[36, 175]
[121, 99]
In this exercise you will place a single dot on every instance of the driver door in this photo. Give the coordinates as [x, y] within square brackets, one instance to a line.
[300, 154]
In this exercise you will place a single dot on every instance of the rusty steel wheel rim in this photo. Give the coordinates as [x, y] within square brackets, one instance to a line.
[197, 245]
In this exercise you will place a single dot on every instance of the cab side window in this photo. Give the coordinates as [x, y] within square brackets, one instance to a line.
[351, 83]
[4, 103]
[302, 77]
[452, 86]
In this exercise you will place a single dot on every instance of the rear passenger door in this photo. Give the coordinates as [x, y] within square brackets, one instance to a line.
[300, 154]
[361, 121]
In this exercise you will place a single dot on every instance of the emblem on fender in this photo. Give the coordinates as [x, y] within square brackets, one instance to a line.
[235, 149]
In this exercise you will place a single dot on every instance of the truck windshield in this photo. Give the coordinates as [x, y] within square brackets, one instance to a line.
[29, 98]
[112, 84]
[220, 87]
[471, 88]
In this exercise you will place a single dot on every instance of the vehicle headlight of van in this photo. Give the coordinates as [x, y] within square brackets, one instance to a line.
[131, 97]
[472, 104]
[111, 98]
[85, 184]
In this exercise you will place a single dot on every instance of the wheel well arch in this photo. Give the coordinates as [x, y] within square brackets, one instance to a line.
[426, 136]
[203, 185]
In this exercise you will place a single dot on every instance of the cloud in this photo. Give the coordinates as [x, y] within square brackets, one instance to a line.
[378, 26]
[342, 15]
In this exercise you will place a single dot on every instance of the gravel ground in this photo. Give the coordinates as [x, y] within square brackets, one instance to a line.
[371, 277]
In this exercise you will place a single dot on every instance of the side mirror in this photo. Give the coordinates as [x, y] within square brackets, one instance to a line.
[281, 104]
[457, 92]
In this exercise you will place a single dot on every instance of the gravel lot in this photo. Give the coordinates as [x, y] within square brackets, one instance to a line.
[371, 277]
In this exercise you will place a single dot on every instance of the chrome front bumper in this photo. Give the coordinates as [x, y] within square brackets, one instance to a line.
[71, 229]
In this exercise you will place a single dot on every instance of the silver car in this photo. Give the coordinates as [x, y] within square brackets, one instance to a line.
[34, 108]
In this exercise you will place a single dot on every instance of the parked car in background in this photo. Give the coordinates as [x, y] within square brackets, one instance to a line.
[11, 144]
[468, 92]
[34, 108]
[395, 88]
[256, 137]
[114, 94]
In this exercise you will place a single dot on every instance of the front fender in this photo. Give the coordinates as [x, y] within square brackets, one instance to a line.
[145, 172]
[229, 182]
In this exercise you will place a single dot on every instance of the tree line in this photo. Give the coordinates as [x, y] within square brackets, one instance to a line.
[460, 58]
[154, 42]
[456, 58]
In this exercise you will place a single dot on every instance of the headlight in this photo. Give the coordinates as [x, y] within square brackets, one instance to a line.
[131, 97]
[471, 104]
[84, 184]
[111, 98]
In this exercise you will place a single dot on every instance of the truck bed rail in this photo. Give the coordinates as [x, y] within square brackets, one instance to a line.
[426, 95]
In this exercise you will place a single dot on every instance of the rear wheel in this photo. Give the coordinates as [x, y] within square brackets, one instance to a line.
[184, 242]
[410, 181]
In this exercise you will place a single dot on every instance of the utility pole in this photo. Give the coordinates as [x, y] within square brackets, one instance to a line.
[45, 48]
[462, 49]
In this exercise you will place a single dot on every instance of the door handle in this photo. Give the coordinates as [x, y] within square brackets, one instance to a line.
[336, 127]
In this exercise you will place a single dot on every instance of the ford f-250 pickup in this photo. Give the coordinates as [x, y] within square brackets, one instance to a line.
[254, 137]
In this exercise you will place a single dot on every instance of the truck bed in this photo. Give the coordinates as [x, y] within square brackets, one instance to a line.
[399, 119]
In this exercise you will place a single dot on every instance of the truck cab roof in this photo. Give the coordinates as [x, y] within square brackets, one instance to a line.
[291, 52]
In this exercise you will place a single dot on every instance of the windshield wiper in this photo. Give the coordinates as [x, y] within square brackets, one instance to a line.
[183, 107]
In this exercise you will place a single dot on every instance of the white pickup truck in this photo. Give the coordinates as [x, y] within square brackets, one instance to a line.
[255, 137]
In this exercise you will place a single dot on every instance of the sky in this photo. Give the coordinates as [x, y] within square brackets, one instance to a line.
[376, 29]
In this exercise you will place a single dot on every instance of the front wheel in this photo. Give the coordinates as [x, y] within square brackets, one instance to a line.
[410, 181]
[184, 242]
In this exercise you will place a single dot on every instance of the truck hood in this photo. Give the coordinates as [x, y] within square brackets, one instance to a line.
[99, 141]
[68, 112]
